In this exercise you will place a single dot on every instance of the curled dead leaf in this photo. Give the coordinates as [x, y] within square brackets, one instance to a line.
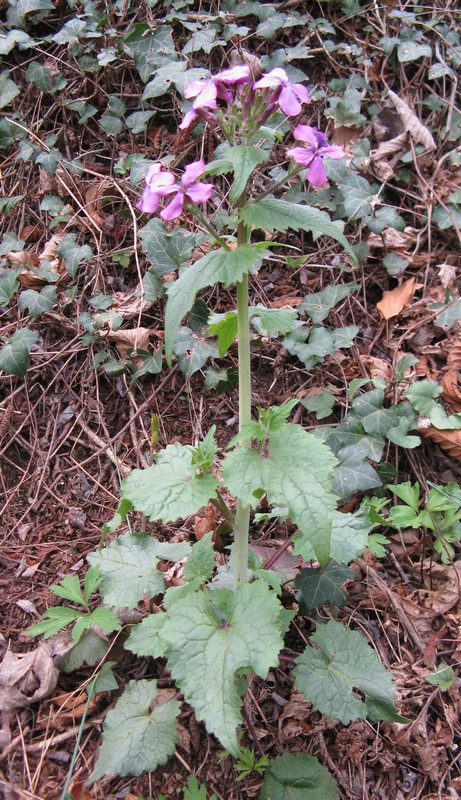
[26, 677]
[128, 340]
[128, 305]
[391, 239]
[448, 440]
[418, 132]
[377, 367]
[397, 299]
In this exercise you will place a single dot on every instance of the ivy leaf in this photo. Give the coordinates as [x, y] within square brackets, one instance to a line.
[73, 254]
[219, 266]
[349, 537]
[171, 489]
[37, 303]
[8, 89]
[357, 194]
[295, 473]
[9, 285]
[244, 158]
[40, 75]
[447, 318]
[321, 404]
[150, 50]
[166, 250]
[193, 351]
[320, 586]
[343, 662]
[443, 677]
[411, 51]
[279, 215]
[163, 78]
[135, 738]
[200, 564]
[128, 566]
[15, 353]
[354, 473]
[298, 776]
[317, 306]
[213, 638]
[49, 161]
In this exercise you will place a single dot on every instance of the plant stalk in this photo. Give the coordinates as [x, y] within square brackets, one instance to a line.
[242, 513]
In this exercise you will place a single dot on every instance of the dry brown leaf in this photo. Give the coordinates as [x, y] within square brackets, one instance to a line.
[448, 440]
[128, 340]
[203, 525]
[447, 275]
[93, 198]
[397, 299]
[451, 389]
[391, 239]
[128, 306]
[346, 136]
[377, 367]
[418, 132]
[26, 677]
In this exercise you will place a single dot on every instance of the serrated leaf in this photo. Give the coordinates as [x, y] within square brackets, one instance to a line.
[37, 303]
[205, 453]
[298, 776]
[56, 618]
[317, 306]
[219, 266]
[221, 634]
[201, 562]
[69, 589]
[349, 537]
[135, 738]
[342, 663]
[244, 158]
[320, 586]
[296, 472]
[128, 566]
[279, 215]
[145, 640]
[272, 321]
[171, 489]
[73, 253]
[15, 354]
[106, 619]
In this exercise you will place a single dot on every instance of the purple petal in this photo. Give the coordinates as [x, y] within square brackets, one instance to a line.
[289, 103]
[154, 169]
[173, 209]
[276, 77]
[316, 173]
[301, 155]
[148, 202]
[207, 97]
[192, 172]
[301, 92]
[308, 134]
[195, 87]
[332, 151]
[189, 118]
[237, 74]
[158, 182]
[199, 192]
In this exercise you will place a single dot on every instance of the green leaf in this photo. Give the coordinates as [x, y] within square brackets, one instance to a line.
[320, 586]
[296, 472]
[8, 89]
[49, 161]
[128, 566]
[106, 619]
[150, 50]
[411, 51]
[193, 351]
[279, 215]
[447, 318]
[322, 404]
[166, 250]
[408, 493]
[298, 776]
[164, 78]
[201, 562]
[244, 158]
[357, 196]
[73, 254]
[342, 663]
[9, 40]
[443, 677]
[221, 634]
[219, 266]
[349, 537]
[171, 489]
[105, 680]
[317, 306]
[37, 303]
[225, 327]
[89, 650]
[272, 321]
[9, 285]
[354, 473]
[56, 618]
[138, 121]
[69, 589]
[135, 738]
[40, 75]
[205, 453]
[15, 353]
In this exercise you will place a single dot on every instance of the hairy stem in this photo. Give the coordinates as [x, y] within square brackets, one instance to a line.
[242, 513]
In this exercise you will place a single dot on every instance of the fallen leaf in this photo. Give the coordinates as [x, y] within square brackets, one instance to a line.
[26, 677]
[377, 367]
[447, 275]
[203, 525]
[397, 299]
[392, 239]
[28, 607]
[448, 440]
[128, 340]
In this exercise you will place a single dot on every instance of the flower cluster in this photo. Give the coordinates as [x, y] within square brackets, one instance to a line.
[161, 183]
[255, 101]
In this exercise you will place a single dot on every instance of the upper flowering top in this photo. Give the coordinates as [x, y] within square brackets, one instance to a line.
[315, 148]
[161, 184]
[208, 91]
[288, 95]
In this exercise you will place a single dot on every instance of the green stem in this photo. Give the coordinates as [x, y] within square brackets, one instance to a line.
[242, 513]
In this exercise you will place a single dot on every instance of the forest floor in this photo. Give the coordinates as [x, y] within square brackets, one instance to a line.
[75, 422]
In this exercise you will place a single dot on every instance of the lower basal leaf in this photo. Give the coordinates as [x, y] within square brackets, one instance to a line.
[213, 638]
[135, 738]
[343, 664]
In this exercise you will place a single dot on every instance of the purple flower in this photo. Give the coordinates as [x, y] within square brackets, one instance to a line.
[188, 189]
[288, 95]
[158, 184]
[207, 92]
[316, 148]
